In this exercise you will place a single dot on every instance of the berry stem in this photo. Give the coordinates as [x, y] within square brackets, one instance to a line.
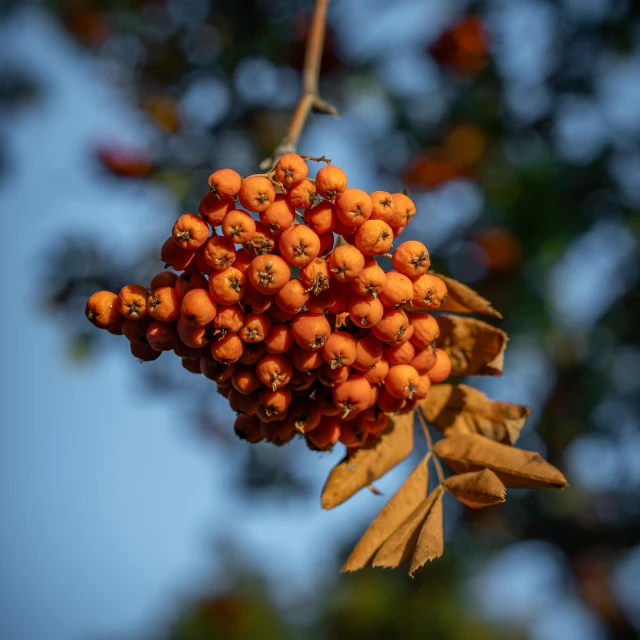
[427, 435]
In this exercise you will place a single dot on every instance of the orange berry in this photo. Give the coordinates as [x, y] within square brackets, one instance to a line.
[304, 360]
[292, 297]
[371, 280]
[411, 258]
[302, 195]
[144, 352]
[353, 207]
[392, 326]
[426, 329]
[424, 360]
[248, 428]
[347, 232]
[352, 396]
[256, 193]
[274, 402]
[213, 209]
[402, 381]
[184, 351]
[346, 263]
[194, 337]
[173, 256]
[227, 287]
[278, 432]
[238, 226]
[324, 401]
[365, 311]
[136, 330]
[368, 352]
[389, 403]
[318, 303]
[223, 388]
[274, 370]
[245, 380]
[332, 377]
[278, 315]
[163, 304]
[190, 232]
[190, 280]
[325, 435]
[399, 353]
[201, 264]
[405, 210]
[252, 352]
[316, 275]
[268, 273]
[442, 368]
[397, 292]
[242, 261]
[225, 183]
[429, 291]
[102, 309]
[115, 329]
[261, 242]
[327, 241]
[214, 370]
[162, 336]
[163, 279]
[383, 206]
[132, 301]
[310, 330]
[290, 169]
[227, 349]
[352, 434]
[229, 319]
[321, 218]
[424, 384]
[303, 415]
[374, 238]
[299, 245]
[377, 373]
[398, 230]
[255, 302]
[339, 350]
[331, 182]
[279, 339]
[243, 404]
[302, 380]
[255, 327]
[373, 420]
[198, 308]
[279, 216]
[342, 294]
[219, 253]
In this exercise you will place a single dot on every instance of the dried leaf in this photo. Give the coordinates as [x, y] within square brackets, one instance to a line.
[462, 299]
[515, 467]
[475, 347]
[476, 489]
[392, 515]
[431, 541]
[462, 409]
[399, 548]
[362, 467]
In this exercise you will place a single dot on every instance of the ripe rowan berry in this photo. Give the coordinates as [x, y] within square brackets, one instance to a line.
[368, 352]
[373, 420]
[245, 380]
[305, 360]
[371, 280]
[303, 195]
[365, 311]
[256, 193]
[229, 319]
[292, 297]
[278, 432]
[424, 384]
[377, 373]
[331, 182]
[219, 252]
[346, 263]
[115, 329]
[399, 353]
[227, 349]
[200, 263]
[316, 275]
[332, 377]
[426, 329]
[402, 381]
[136, 330]
[190, 232]
[326, 243]
[132, 301]
[318, 303]
[348, 233]
[392, 326]
[262, 241]
[411, 258]
[242, 404]
[405, 210]
[389, 403]
[302, 380]
[225, 183]
[173, 256]
[397, 292]
[102, 309]
[325, 435]
[255, 327]
[353, 207]
[184, 351]
[163, 279]
[238, 226]
[352, 434]
[299, 245]
[227, 287]
[162, 336]
[223, 388]
[163, 304]
[352, 396]
[248, 428]
[424, 360]
[198, 308]
[274, 402]
[429, 291]
[278, 315]
[374, 238]
[339, 350]
[342, 294]
[191, 365]
[321, 218]
[242, 261]
[255, 302]
[190, 280]
[252, 352]
[303, 415]
[274, 370]
[291, 169]
[442, 368]
[383, 206]
[310, 330]
[194, 337]
[279, 339]
[213, 209]
[268, 273]
[279, 216]
[215, 370]
[144, 352]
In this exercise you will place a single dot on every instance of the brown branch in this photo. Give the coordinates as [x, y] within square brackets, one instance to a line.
[427, 435]
[310, 99]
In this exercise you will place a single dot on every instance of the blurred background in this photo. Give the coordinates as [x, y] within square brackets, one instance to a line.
[128, 509]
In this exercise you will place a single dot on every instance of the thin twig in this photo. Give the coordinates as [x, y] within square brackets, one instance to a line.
[427, 435]
[310, 99]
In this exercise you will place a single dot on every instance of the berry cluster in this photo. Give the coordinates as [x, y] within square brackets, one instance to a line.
[302, 333]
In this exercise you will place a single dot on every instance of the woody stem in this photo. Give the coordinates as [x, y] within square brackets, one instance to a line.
[427, 435]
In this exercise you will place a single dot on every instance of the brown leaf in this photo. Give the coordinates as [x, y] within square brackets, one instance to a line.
[462, 299]
[515, 467]
[475, 347]
[463, 409]
[399, 548]
[476, 489]
[362, 467]
[392, 515]
[431, 541]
